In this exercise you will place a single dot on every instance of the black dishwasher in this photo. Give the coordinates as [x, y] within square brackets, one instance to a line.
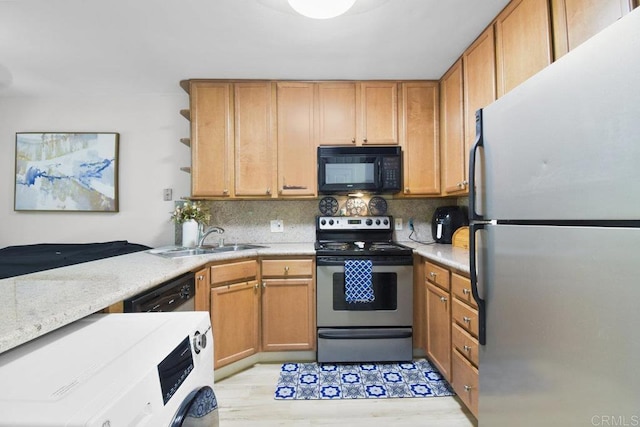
[176, 294]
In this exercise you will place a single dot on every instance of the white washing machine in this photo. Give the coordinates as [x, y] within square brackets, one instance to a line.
[109, 370]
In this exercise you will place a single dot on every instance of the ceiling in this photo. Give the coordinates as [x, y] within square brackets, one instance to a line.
[104, 47]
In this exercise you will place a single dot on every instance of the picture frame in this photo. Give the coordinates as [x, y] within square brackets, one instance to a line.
[66, 171]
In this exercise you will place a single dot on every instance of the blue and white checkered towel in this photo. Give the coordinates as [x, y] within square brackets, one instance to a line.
[357, 281]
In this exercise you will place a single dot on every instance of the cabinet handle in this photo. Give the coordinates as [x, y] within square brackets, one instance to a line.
[256, 286]
[432, 274]
[443, 299]
[467, 388]
[225, 191]
[364, 140]
[268, 191]
[264, 285]
[465, 183]
[201, 277]
[466, 291]
[459, 185]
[286, 269]
[353, 140]
[466, 319]
[467, 348]
[406, 189]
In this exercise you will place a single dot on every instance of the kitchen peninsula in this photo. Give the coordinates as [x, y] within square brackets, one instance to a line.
[41, 302]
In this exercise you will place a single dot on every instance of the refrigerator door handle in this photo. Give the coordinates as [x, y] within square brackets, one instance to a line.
[473, 228]
[473, 215]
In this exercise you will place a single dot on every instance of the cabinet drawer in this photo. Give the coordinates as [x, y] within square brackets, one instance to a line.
[436, 274]
[461, 289]
[465, 381]
[464, 343]
[465, 316]
[234, 272]
[287, 267]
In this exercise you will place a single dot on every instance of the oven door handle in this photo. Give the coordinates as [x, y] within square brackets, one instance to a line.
[364, 335]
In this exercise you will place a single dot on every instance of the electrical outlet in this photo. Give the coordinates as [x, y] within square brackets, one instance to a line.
[411, 224]
[167, 194]
[277, 226]
[398, 225]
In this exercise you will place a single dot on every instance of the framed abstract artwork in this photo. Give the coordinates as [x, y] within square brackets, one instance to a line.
[66, 172]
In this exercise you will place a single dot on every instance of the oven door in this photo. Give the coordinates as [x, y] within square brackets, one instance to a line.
[393, 291]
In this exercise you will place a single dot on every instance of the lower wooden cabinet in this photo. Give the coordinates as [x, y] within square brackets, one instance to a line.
[235, 322]
[465, 381]
[439, 329]
[464, 341]
[252, 312]
[288, 304]
[451, 328]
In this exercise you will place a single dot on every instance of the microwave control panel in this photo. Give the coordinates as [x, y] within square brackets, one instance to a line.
[391, 173]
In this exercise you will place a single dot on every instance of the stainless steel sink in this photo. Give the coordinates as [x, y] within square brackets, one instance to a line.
[204, 250]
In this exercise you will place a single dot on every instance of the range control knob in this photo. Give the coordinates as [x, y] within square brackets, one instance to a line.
[330, 222]
[323, 222]
[369, 221]
[386, 222]
[377, 222]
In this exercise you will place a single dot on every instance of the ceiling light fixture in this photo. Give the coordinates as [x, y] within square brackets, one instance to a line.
[321, 9]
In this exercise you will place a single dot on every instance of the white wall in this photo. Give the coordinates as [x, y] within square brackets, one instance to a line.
[150, 155]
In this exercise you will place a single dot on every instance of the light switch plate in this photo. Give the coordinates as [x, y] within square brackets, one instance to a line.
[398, 225]
[167, 194]
[277, 226]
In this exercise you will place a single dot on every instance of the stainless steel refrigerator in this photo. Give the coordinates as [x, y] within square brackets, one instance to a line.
[555, 240]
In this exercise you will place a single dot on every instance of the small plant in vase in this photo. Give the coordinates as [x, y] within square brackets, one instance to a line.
[192, 216]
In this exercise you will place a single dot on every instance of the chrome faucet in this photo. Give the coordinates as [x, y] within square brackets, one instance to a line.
[207, 232]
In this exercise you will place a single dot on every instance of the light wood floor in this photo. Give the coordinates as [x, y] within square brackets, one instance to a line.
[246, 399]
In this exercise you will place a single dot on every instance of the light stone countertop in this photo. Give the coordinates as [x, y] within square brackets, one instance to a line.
[37, 303]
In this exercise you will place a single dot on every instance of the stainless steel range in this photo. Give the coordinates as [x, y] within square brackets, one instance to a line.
[364, 291]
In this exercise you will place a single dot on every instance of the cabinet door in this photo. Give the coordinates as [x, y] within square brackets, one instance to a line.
[255, 160]
[420, 138]
[235, 321]
[211, 139]
[523, 42]
[288, 314]
[296, 141]
[574, 21]
[203, 290]
[454, 156]
[378, 113]
[439, 328]
[479, 69]
[336, 113]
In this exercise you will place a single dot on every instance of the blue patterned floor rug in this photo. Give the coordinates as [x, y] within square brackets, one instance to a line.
[307, 381]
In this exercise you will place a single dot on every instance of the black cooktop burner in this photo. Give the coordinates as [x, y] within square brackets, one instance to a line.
[361, 248]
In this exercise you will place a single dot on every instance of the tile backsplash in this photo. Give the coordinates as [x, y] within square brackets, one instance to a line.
[249, 221]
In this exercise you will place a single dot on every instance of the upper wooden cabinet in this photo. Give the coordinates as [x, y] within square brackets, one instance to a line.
[336, 114]
[211, 138]
[357, 113]
[296, 140]
[452, 145]
[419, 138]
[574, 21]
[523, 42]
[479, 69]
[378, 113]
[255, 159]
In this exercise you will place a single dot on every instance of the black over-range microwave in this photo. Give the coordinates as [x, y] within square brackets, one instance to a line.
[343, 170]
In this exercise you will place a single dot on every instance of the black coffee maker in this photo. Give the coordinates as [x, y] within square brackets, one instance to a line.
[446, 220]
